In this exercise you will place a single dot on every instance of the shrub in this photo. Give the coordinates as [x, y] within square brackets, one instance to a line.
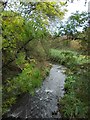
[26, 81]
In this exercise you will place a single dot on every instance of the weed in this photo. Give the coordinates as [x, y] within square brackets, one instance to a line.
[74, 104]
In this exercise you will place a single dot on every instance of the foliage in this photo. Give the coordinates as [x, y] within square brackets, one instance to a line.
[68, 58]
[85, 42]
[75, 102]
[20, 27]
[43, 9]
[75, 28]
[29, 79]
[72, 107]
[20, 71]
[76, 97]
[73, 25]
[17, 33]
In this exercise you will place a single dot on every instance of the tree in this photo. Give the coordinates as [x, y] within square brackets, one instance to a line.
[17, 33]
[43, 9]
[73, 25]
[26, 23]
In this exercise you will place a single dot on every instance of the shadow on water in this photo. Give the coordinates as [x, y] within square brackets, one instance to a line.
[44, 103]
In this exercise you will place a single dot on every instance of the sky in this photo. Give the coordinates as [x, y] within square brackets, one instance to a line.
[76, 6]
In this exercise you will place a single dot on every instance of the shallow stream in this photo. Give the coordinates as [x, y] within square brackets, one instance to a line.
[44, 103]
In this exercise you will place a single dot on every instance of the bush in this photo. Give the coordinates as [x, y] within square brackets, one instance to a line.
[29, 79]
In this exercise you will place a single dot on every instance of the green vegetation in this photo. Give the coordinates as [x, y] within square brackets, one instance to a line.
[68, 58]
[29, 79]
[27, 46]
[75, 102]
[71, 27]
[23, 57]
[75, 28]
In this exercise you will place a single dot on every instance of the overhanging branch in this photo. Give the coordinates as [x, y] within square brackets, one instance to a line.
[18, 51]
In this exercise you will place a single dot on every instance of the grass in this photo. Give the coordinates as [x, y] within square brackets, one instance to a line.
[68, 58]
[75, 102]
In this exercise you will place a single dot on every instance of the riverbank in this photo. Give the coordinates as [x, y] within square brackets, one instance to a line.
[31, 77]
[44, 103]
[75, 102]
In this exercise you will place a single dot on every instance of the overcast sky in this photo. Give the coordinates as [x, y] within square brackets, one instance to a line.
[72, 8]
[76, 6]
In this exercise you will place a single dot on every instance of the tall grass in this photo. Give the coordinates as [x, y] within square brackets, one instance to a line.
[68, 58]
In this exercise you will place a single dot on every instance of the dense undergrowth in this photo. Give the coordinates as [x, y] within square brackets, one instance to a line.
[75, 103]
[27, 81]
[24, 64]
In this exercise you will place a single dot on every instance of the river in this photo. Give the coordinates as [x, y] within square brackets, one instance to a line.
[44, 103]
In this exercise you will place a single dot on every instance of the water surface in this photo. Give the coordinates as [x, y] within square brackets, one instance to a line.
[44, 103]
